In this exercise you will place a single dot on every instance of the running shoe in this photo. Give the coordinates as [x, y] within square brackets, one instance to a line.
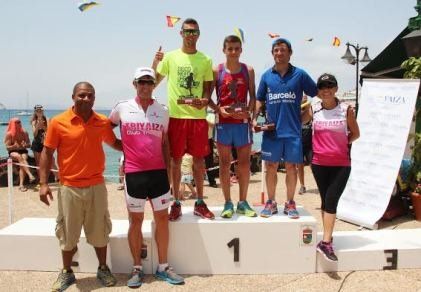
[175, 211]
[135, 278]
[105, 277]
[64, 280]
[326, 249]
[290, 209]
[244, 208]
[302, 190]
[228, 210]
[202, 210]
[270, 209]
[170, 276]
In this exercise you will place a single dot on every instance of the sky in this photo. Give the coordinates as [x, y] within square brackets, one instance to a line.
[46, 46]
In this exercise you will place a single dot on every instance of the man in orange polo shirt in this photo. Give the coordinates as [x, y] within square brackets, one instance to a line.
[77, 135]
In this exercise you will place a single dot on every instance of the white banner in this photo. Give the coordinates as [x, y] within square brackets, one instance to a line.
[384, 117]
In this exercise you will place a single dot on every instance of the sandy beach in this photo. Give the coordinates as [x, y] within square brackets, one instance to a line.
[28, 205]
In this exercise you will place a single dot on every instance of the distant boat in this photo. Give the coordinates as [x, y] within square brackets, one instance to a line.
[23, 113]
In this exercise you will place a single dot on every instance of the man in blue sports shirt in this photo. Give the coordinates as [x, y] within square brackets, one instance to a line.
[281, 90]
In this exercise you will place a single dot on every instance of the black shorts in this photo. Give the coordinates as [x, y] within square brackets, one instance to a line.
[147, 184]
[20, 151]
[307, 154]
[37, 147]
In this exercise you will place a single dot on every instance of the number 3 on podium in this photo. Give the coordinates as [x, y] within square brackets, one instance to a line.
[236, 243]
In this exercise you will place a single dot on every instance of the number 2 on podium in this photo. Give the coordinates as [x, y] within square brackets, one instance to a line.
[236, 243]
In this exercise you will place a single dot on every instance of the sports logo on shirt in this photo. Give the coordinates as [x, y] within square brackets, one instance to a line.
[132, 128]
[283, 95]
[155, 115]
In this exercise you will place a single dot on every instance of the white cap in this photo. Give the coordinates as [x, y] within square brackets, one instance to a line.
[144, 71]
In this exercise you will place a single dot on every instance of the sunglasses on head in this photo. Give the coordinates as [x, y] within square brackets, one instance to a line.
[145, 82]
[191, 32]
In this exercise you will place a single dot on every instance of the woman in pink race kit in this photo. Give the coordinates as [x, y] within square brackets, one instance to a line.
[334, 129]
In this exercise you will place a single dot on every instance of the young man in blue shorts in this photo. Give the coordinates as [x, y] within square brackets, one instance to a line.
[281, 90]
[234, 81]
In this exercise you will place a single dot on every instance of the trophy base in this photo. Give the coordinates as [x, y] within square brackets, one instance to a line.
[190, 101]
[264, 127]
[186, 101]
[236, 109]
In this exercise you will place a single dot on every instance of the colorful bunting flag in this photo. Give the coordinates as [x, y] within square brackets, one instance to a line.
[87, 5]
[240, 33]
[273, 35]
[336, 42]
[171, 20]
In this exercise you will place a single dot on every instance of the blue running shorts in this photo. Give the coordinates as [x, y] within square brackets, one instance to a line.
[235, 135]
[277, 149]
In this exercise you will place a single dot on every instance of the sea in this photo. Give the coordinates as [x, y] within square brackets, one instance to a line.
[112, 156]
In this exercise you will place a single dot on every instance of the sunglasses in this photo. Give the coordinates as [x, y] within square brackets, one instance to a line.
[145, 82]
[191, 32]
[326, 86]
[17, 122]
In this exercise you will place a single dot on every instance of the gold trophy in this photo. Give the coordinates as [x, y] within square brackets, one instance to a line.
[267, 125]
[189, 99]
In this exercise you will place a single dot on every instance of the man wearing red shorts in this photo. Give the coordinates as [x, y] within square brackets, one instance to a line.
[189, 74]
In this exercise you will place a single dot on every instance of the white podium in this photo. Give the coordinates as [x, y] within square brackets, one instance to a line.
[242, 245]
[31, 244]
[374, 250]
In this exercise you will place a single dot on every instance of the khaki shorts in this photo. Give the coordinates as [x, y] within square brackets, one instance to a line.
[87, 207]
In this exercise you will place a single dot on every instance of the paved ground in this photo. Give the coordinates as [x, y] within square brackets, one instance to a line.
[28, 205]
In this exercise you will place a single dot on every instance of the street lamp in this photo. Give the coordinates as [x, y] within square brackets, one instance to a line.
[412, 43]
[355, 60]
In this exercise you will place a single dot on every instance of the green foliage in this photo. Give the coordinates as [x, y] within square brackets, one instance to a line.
[414, 175]
[412, 68]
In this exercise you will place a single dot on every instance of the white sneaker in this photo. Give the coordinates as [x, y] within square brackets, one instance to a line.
[302, 190]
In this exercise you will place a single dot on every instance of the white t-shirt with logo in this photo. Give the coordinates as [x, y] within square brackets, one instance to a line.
[141, 134]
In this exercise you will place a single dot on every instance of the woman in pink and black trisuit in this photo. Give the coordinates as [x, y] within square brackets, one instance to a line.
[334, 129]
